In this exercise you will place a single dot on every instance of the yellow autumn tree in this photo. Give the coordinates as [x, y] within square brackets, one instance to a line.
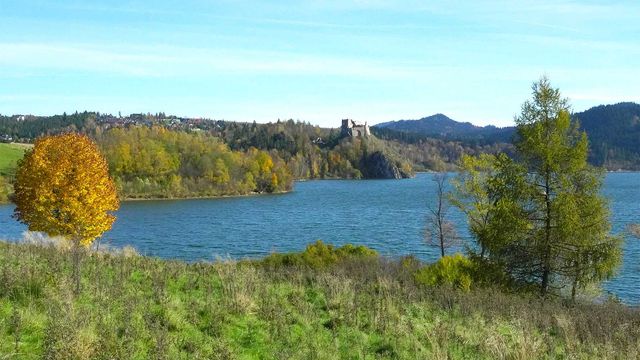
[63, 188]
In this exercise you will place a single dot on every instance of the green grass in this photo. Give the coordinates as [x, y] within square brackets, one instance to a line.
[9, 156]
[134, 307]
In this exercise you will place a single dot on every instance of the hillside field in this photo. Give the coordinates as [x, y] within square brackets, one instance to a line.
[9, 156]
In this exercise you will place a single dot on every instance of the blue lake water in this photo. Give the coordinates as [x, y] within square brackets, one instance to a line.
[386, 215]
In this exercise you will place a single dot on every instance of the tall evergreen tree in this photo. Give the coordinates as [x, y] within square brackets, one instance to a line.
[543, 218]
[570, 219]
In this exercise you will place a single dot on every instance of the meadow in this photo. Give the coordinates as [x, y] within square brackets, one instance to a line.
[9, 156]
[296, 306]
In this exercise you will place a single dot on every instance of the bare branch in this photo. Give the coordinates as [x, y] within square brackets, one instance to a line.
[439, 231]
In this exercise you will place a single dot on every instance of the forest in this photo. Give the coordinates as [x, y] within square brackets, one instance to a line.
[156, 162]
[160, 156]
[613, 132]
[151, 159]
[614, 135]
[311, 152]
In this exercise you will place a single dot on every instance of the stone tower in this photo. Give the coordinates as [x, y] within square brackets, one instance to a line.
[353, 129]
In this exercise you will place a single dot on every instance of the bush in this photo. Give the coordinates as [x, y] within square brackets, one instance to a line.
[319, 255]
[489, 274]
[456, 271]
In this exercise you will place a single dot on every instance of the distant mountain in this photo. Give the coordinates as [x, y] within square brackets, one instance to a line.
[613, 131]
[442, 127]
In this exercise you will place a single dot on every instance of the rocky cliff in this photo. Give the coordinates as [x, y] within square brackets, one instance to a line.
[379, 166]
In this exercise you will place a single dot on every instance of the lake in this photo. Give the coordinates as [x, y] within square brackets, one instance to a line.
[386, 215]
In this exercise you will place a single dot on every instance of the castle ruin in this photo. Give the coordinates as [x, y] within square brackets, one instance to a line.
[354, 129]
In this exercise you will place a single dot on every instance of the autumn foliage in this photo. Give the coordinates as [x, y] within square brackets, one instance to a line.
[150, 162]
[63, 188]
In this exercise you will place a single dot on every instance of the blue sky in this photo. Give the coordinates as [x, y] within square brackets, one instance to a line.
[317, 61]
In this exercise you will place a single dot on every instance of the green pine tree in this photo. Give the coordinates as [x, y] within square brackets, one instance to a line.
[541, 218]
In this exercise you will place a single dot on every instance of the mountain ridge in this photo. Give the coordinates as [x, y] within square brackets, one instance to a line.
[613, 131]
[442, 126]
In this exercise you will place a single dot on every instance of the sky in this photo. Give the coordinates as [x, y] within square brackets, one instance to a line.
[317, 61]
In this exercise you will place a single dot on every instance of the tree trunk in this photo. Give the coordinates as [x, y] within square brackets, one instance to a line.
[545, 282]
[546, 266]
[576, 279]
[76, 253]
[440, 215]
[441, 233]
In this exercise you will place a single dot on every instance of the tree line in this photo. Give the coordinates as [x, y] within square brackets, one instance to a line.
[311, 152]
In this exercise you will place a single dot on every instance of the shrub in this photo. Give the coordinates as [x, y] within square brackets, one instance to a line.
[455, 270]
[319, 255]
[490, 274]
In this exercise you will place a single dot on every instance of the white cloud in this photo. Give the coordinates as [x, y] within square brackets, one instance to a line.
[167, 61]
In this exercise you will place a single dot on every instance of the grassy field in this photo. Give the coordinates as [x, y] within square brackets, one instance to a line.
[134, 307]
[9, 156]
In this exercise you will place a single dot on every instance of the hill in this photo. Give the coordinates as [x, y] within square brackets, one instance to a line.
[613, 131]
[431, 143]
[442, 127]
[614, 135]
[155, 156]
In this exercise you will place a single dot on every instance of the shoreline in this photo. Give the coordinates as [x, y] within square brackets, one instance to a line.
[210, 197]
[213, 197]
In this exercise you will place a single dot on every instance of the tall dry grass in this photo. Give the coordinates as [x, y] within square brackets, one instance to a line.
[134, 307]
